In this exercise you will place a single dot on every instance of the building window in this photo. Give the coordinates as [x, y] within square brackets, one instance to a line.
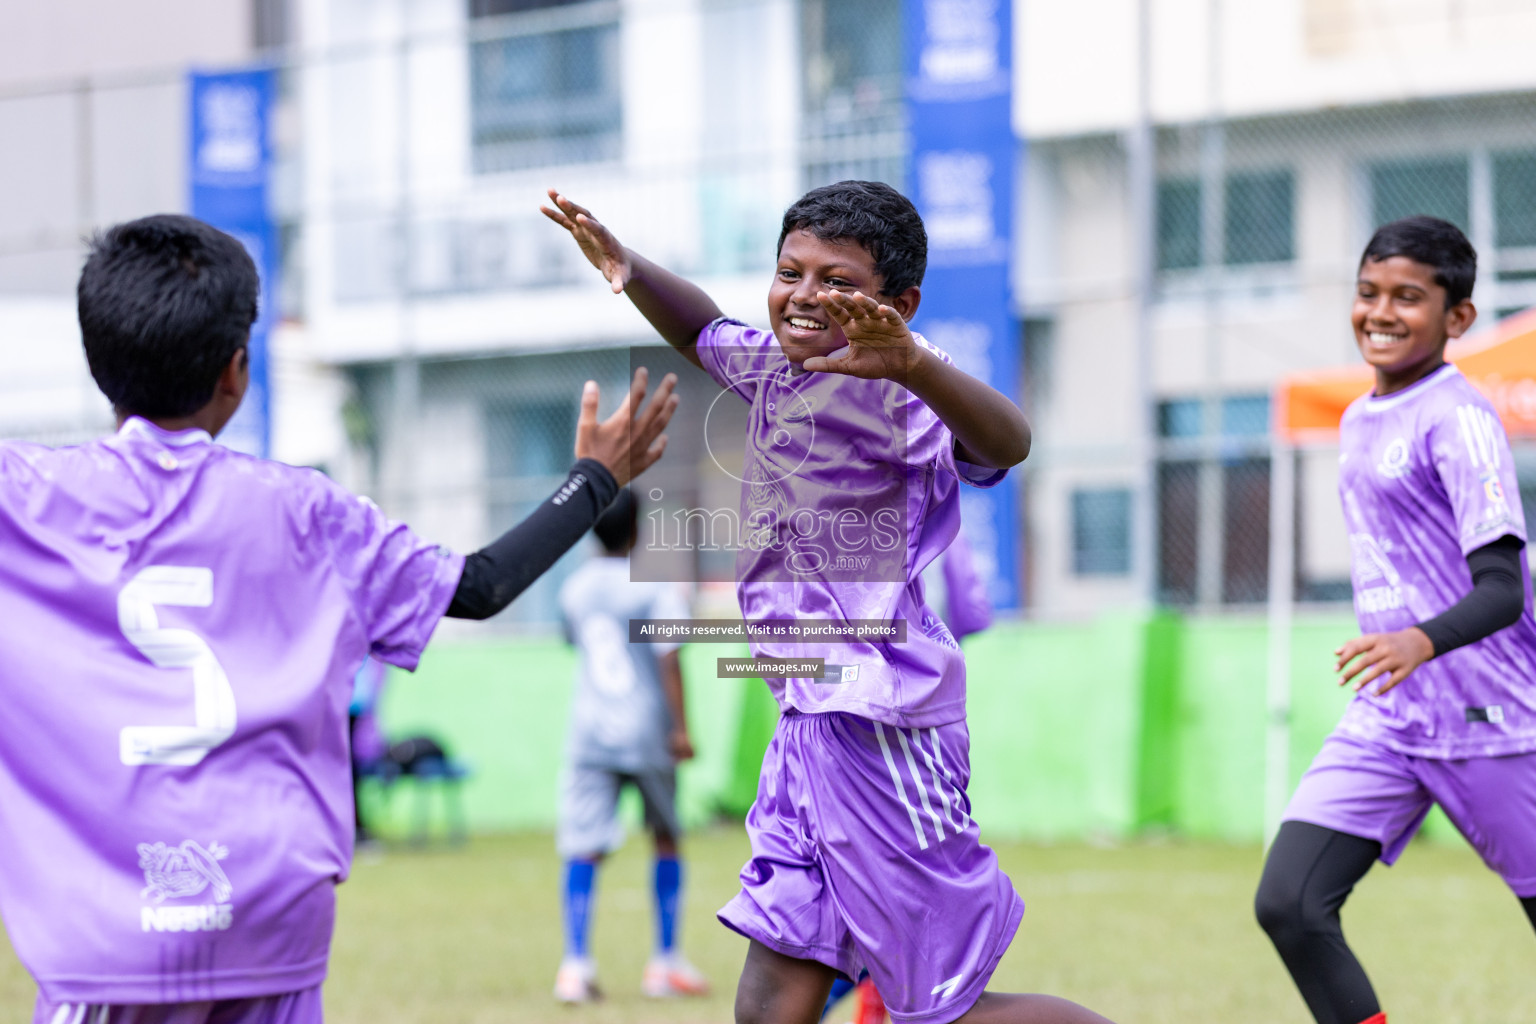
[1178, 224]
[1178, 541]
[544, 83]
[1514, 185]
[1245, 530]
[1213, 500]
[1239, 415]
[1101, 531]
[1260, 218]
[1245, 416]
[1436, 187]
[270, 23]
[1183, 417]
[1259, 224]
[855, 113]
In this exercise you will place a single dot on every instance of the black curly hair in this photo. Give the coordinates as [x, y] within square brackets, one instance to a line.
[1433, 242]
[164, 303]
[876, 216]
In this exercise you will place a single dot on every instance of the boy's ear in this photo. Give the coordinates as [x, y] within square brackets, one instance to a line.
[907, 302]
[237, 373]
[1460, 318]
[236, 377]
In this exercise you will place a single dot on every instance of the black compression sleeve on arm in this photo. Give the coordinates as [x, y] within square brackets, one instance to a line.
[498, 572]
[1496, 600]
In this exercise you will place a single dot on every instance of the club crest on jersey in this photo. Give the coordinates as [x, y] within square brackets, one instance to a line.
[1394, 461]
[182, 872]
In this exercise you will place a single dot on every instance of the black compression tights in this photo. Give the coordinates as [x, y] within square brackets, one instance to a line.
[1309, 874]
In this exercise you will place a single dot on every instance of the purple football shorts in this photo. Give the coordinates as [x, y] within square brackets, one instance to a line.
[301, 1007]
[1369, 791]
[864, 855]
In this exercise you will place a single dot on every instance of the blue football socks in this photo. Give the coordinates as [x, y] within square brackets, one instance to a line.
[579, 876]
[669, 881]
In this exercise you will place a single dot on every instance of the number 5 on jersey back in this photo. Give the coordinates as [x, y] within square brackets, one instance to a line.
[213, 698]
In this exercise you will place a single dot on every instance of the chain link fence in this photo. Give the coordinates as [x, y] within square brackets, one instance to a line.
[456, 325]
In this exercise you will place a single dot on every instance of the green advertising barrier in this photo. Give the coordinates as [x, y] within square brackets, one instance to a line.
[1055, 716]
[501, 708]
[1103, 729]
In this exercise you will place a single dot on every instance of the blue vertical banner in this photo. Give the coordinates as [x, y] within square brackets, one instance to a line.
[230, 176]
[959, 88]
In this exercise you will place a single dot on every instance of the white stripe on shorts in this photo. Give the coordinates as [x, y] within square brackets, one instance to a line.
[71, 1013]
[938, 753]
[901, 791]
[922, 790]
[938, 784]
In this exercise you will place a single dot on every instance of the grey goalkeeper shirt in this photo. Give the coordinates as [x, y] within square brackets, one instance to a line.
[619, 714]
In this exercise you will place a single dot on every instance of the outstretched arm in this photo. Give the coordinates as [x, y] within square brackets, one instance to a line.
[677, 308]
[989, 429]
[608, 455]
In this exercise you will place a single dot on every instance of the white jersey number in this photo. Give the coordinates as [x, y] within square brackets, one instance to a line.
[609, 665]
[213, 698]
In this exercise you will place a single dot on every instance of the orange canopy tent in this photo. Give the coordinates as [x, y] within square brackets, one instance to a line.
[1500, 362]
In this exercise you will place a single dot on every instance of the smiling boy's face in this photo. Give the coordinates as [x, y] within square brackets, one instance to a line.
[808, 264]
[1401, 321]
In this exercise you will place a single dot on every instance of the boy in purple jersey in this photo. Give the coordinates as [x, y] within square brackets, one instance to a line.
[864, 854]
[181, 627]
[1444, 708]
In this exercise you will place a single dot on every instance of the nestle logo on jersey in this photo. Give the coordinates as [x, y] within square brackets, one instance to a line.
[209, 917]
[1379, 599]
[179, 872]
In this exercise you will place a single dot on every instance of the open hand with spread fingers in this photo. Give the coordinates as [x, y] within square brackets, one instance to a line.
[880, 345]
[597, 243]
[631, 440]
[1388, 658]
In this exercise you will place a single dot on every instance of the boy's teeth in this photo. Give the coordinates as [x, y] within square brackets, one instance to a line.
[810, 325]
[1383, 339]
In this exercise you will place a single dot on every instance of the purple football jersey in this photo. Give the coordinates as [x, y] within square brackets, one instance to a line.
[1426, 476]
[181, 626]
[849, 488]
